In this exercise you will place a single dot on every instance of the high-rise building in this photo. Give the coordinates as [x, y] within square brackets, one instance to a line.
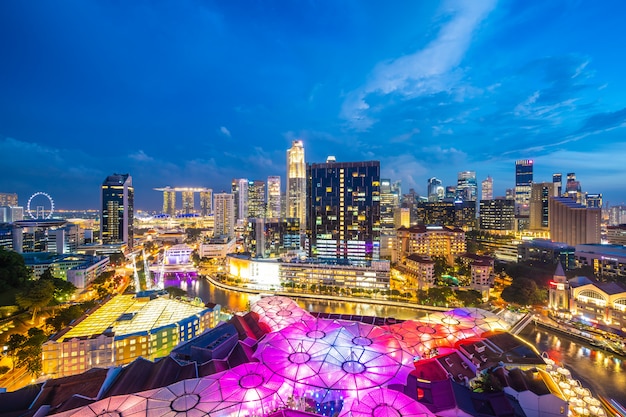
[436, 192]
[344, 210]
[573, 223]
[296, 183]
[117, 209]
[256, 199]
[188, 202]
[8, 199]
[169, 201]
[573, 189]
[274, 209]
[557, 180]
[206, 202]
[540, 194]
[487, 189]
[467, 187]
[497, 215]
[617, 215]
[593, 200]
[523, 182]
[389, 201]
[239, 189]
[223, 204]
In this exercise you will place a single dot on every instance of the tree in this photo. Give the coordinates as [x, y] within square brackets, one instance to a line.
[523, 291]
[469, 298]
[15, 342]
[13, 270]
[29, 354]
[176, 292]
[35, 295]
[439, 295]
[63, 289]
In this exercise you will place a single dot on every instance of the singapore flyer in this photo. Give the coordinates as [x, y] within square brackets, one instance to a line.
[42, 209]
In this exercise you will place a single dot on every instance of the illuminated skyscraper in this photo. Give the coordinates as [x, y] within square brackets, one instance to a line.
[224, 215]
[188, 203]
[540, 195]
[573, 189]
[435, 189]
[344, 210]
[467, 187]
[557, 180]
[487, 189]
[256, 199]
[523, 182]
[8, 199]
[389, 200]
[239, 188]
[206, 202]
[117, 209]
[274, 209]
[169, 201]
[296, 183]
[573, 223]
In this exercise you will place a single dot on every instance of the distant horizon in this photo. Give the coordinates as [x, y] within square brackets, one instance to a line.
[198, 93]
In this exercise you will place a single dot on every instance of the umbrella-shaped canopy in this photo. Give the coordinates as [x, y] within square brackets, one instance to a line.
[117, 406]
[383, 402]
[420, 337]
[279, 312]
[238, 391]
[483, 319]
[333, 356]
[457, 326]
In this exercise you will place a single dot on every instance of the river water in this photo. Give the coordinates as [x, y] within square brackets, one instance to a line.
[602, 372]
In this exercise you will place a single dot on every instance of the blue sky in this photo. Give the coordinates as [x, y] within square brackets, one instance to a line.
[195, 93]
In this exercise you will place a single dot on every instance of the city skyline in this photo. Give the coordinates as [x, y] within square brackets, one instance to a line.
[197, 94]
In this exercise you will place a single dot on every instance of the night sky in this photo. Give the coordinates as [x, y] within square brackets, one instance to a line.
[195, 93]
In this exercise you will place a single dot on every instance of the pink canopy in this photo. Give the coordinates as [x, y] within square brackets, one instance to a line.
[383, 402]
[279, 312]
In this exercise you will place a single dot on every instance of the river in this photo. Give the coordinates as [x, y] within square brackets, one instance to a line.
[602, 372]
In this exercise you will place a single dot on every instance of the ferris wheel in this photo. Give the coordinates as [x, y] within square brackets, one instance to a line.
[42, 209]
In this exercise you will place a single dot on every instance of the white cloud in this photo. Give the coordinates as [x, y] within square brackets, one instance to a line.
[141, 156]
[224, 131]
[427, 71]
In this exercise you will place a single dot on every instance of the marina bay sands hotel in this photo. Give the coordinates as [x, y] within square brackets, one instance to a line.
[188, 197]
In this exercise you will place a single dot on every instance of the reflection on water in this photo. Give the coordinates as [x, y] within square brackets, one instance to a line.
[602, 372]
[598, 370]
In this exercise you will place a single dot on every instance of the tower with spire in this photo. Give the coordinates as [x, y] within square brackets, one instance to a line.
[559, 290]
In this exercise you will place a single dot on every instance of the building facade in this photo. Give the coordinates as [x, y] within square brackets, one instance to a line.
[447, 242]
[274, 201]
[487, 189]
[117, 210]
[344, 210]
[467, 187]
[523, 182]
[296, 183]
[224, 215]
[573, 223]
[540, 195]
[497, 215]
[256, 199]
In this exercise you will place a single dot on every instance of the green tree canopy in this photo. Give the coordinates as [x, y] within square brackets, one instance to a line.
[523, 291]
[13, 270]
[35, 295]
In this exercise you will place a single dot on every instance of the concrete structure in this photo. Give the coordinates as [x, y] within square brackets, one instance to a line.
[147, 325]
[10, 214]
[607, 261]
[217, 247]
[256, 199]
[419, 272]
[224, 215]
[188, 200]
[239, 190]
[457, 213]
[274, 202]
[573, 223]
[523, 182]
[540, 195]
[75, 268]
[267, 238]
[430, 241]
[467, 187]
[617, 215]
[343, 200]
[296, 183]
[558, 291]
[117, 210]
[546, 252]
[435, 190]
[601, 304]
[497, 215]
[616, 235]
[8, 199]
[486, 189]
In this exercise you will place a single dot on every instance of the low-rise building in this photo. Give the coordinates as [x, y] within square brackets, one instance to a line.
[601, 303]
[75, 268]
[217, 247]
[129, 326]
[431, 241]
[616, 235]
[419, 272]
[546, 252]
[607, 261]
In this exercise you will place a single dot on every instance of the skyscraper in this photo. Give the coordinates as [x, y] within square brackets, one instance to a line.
[523, 181]
[117, 209]
[274, 209]
[256, 199]
[540, 195]
[188, 202]
[573, 189]
[557, 180]
[573, 223]
[487, 189]
[206, 202]
[389, 200]
[467, 187]
[296, 183]
[344, 210]
[169, 201]
[436, 191]
[8, 199]
[497, 215]
[223, 204]
[239, 189]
